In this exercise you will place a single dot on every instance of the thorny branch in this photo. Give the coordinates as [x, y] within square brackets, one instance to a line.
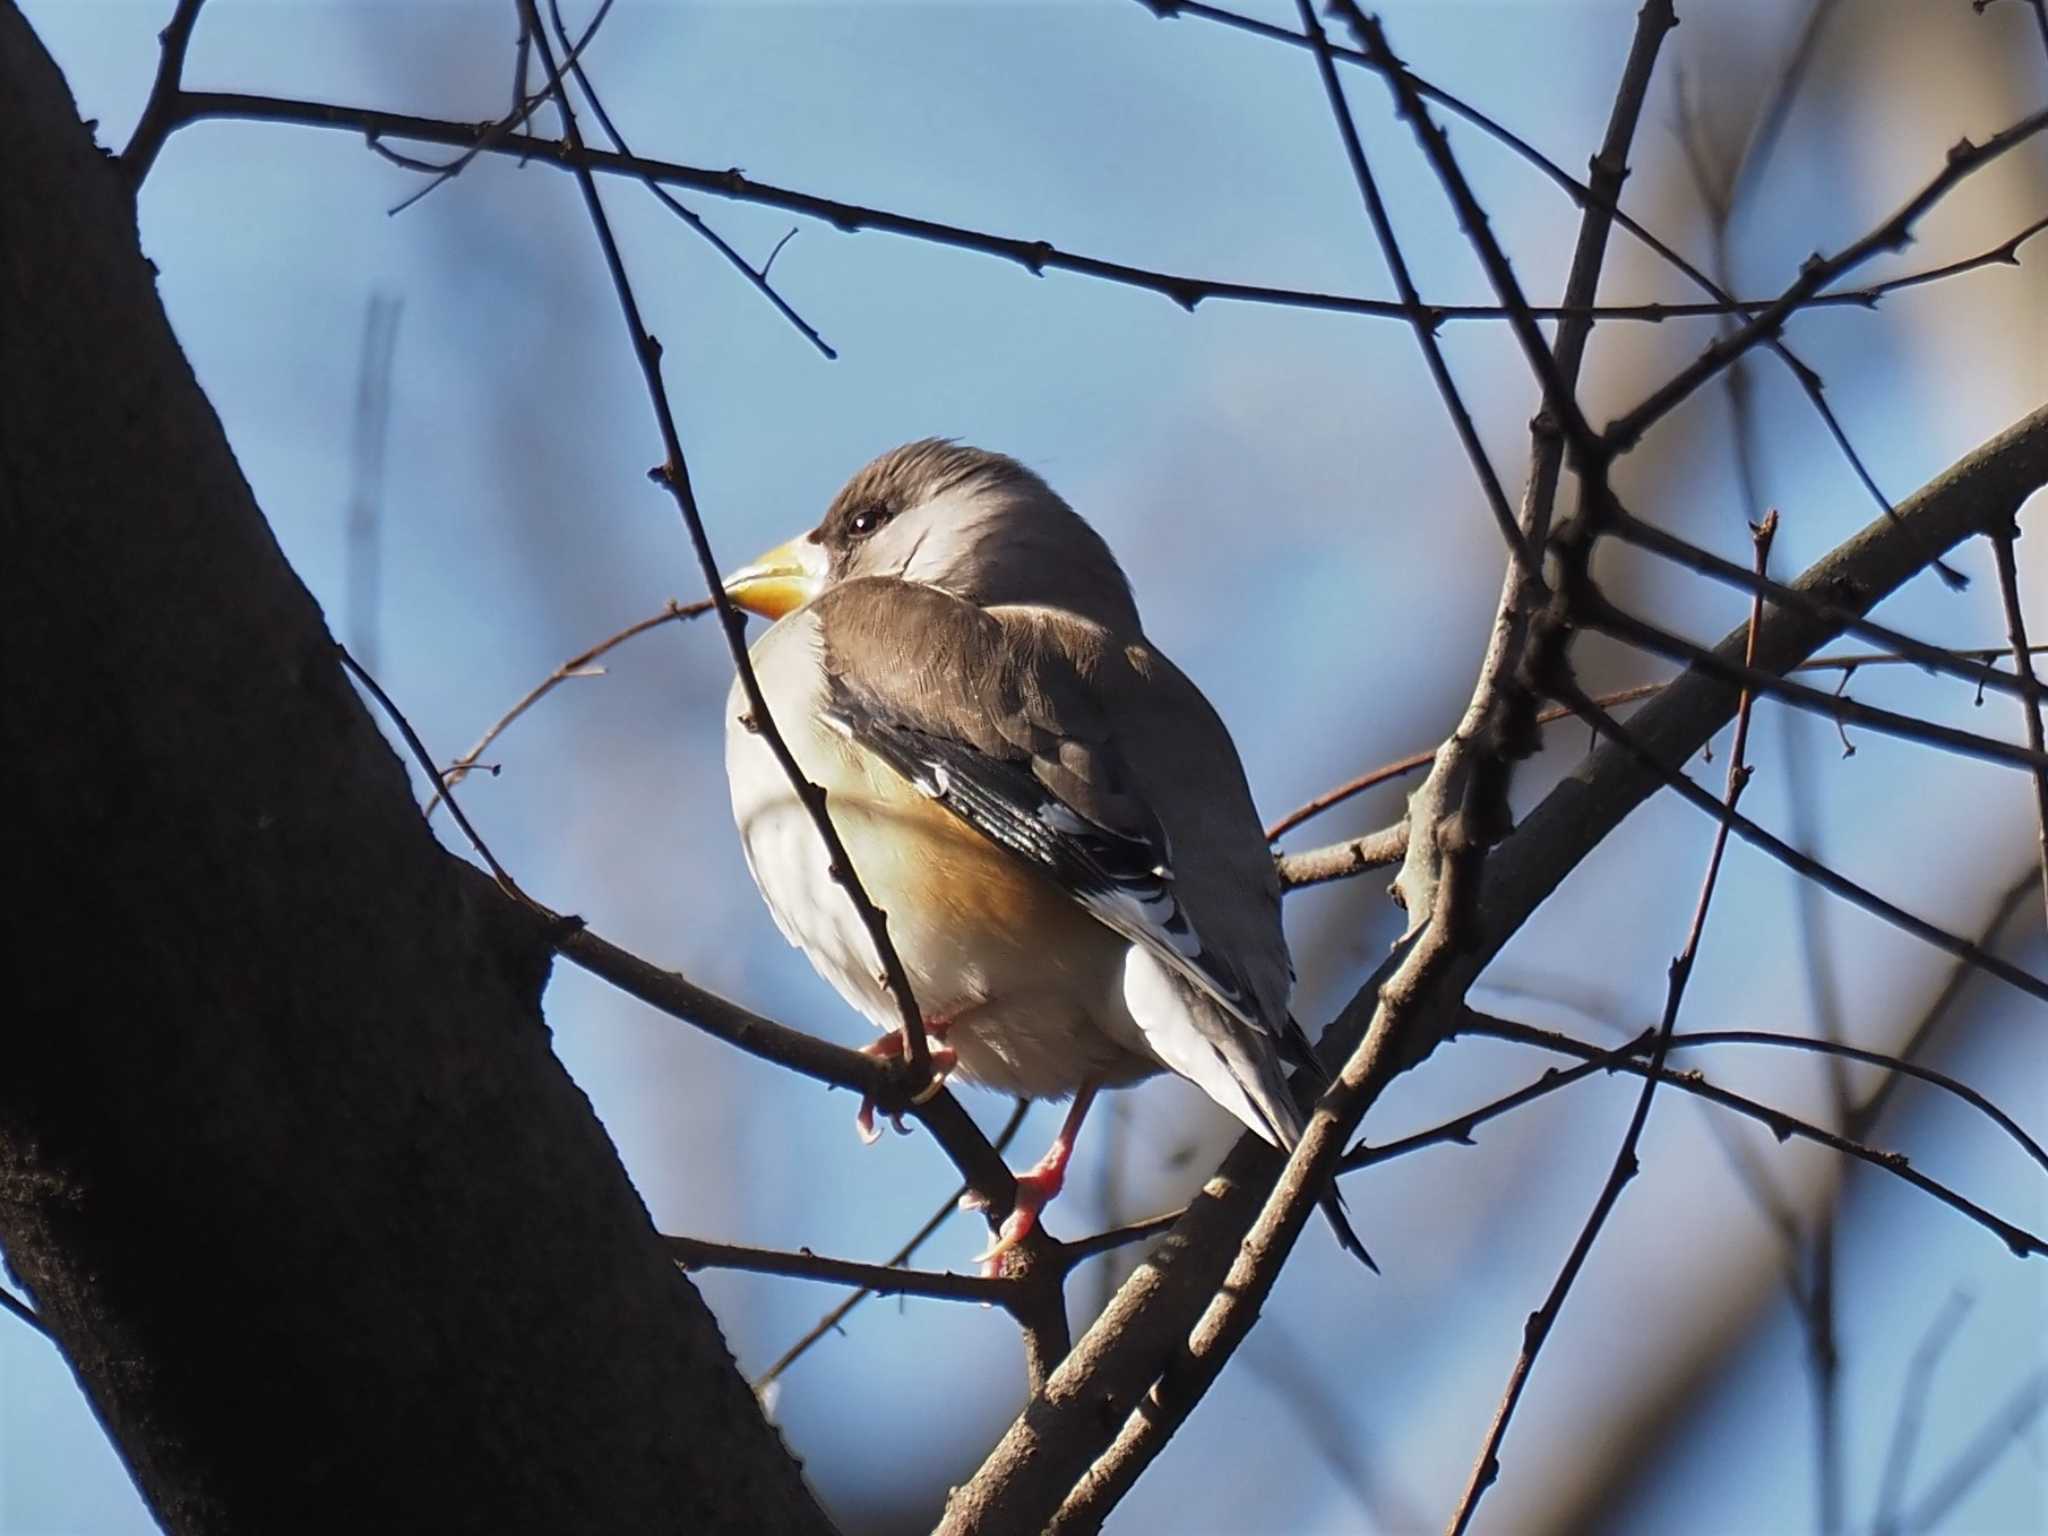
[1035, 256]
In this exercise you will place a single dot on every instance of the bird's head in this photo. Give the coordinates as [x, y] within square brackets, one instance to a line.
[972, 523]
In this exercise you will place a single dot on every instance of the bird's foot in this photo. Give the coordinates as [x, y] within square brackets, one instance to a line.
[887, 1048]
[1036, 1189]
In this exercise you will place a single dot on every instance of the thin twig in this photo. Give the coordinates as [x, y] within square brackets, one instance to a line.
[1818, 272]
[426, 760]
[579, 665]
[757, 279]
[1035, 256]
[674, 476]
[1840, 1050]
[885, 1279]
[1329, 799]
[1840, 884]
[1961, 664]
[1625, 1167]
[523, 108]
[1588, 451]
[1997, 1436]
[1898, 1460]
[165, 110]
[1595, 612]
[2030, 685]
[1420, 320]
[836, 1317]
[2018, 1240]
[1459, 1129]
[1341, 861]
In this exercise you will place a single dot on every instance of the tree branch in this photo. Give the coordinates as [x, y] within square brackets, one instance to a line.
[2030, 686]
[1069, 1424]
[1625, 1167]
[1035, 256]
[674, 476]
[1964, 159]
[882, 1279]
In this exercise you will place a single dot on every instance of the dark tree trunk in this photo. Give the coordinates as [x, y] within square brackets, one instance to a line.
[286, 1163]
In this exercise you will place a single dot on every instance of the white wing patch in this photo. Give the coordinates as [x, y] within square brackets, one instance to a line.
[1165, 1007]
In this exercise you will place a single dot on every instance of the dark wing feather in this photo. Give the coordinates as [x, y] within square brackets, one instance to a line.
[1009, 738]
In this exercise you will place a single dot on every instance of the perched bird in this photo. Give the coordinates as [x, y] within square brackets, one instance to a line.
[1052, 816]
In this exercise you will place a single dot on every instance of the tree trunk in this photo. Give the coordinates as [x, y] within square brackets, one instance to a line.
[286, 1163]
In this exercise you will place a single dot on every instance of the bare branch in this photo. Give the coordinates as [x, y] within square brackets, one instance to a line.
[165, 110]
[488, 137]
[579, 665]
[1487, 1468]
[1898, 1460]
[1821, 874]
[1064, 1429]
[1967, 665]
[1035, 256]
[885, 1279]
[1595, 612]
[1964, 159]
[757, 279]
[1329, 799]
[1520, 544]
[1997, 1436]
[831, 1321]
[2030, 686]
[2018, 1240]
[674, 475]
[1340, 861]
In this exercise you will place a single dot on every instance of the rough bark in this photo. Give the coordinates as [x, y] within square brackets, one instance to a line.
[286, 1164]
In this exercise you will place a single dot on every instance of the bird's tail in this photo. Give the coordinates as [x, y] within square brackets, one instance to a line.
[1274, 1097]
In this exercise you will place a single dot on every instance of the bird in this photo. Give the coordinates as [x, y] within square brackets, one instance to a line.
[1053, 818]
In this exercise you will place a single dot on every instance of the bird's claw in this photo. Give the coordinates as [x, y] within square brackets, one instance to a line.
[1016, 1227]
[1035, 1189]
[943, 1061]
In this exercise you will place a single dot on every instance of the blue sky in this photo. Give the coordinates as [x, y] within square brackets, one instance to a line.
[1306, 541]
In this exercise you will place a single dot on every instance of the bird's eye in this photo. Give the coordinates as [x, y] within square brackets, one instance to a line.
[866, 521]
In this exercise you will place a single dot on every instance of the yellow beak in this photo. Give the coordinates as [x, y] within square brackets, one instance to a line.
[781, 581]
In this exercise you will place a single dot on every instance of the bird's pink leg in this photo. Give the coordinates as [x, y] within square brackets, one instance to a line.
[888, 1047]
[1037, 1186]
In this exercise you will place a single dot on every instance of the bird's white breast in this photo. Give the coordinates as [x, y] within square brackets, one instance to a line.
[784, 852]
[1029, 982]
